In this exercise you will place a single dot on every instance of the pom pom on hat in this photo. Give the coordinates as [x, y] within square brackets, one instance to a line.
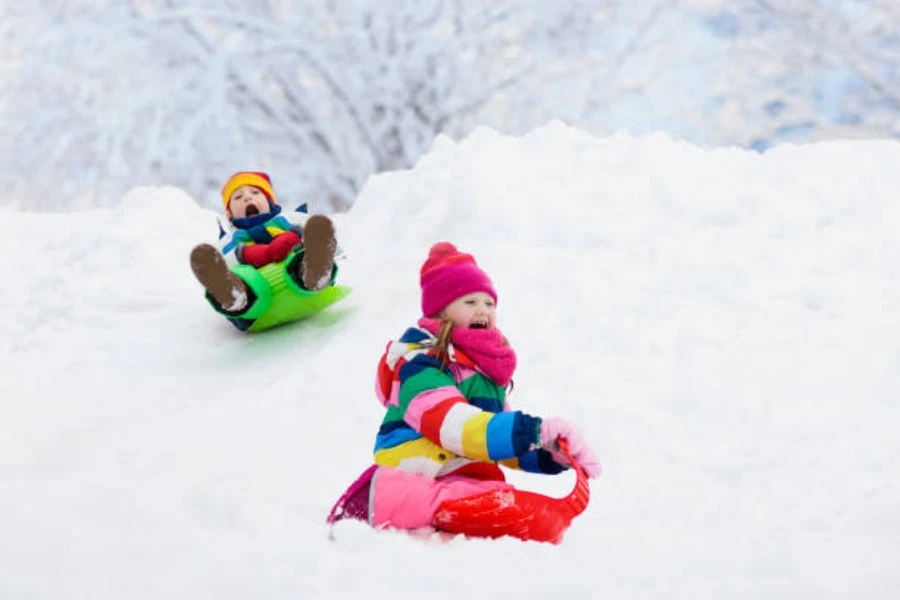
[448, 274]
[257, 179]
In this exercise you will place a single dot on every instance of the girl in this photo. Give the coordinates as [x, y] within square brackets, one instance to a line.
[447, 425]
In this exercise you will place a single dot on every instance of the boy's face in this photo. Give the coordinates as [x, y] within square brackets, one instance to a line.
[247, 201]
[476, 310]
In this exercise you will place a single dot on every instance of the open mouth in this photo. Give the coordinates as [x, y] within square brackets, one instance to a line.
[251, 211]
[478, 326]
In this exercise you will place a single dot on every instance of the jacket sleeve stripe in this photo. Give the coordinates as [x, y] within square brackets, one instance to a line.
[435, 419]
[474, 436]
[427, 401]
[453, 426]
[499, 436]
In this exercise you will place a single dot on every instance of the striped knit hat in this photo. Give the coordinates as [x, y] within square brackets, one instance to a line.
[257, 179]
[448, 274]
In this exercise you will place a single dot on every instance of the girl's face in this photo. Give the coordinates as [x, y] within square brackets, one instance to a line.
[247, 201]
[476, 311]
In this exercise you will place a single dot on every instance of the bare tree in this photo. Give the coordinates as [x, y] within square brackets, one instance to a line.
[98, 97]
[746, 72]
[809, 69]
[322, 94]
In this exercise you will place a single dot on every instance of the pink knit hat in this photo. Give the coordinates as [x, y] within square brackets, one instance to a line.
[448, 274]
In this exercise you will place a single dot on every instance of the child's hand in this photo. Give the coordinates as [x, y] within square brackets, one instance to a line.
[257, 255]
[554, 428]
[282, 245]
[260, 255]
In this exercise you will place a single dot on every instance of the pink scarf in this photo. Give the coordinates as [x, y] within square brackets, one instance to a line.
[493, 356]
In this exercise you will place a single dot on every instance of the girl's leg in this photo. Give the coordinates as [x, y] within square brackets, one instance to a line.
[409, 501]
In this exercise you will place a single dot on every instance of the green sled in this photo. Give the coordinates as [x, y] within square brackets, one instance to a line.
[278, 298]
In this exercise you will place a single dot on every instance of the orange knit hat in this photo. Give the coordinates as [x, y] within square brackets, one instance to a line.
[257, 179]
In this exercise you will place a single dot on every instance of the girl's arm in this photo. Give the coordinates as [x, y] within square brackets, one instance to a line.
[433, 406]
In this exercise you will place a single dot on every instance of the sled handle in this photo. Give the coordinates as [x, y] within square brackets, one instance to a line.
[578, 499]
[564, 448]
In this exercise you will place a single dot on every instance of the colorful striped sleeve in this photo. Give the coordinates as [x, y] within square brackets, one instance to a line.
[227, 245]
[433, 406]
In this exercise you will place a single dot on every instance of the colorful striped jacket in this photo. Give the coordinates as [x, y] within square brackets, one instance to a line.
[258, 230]
[450, 419]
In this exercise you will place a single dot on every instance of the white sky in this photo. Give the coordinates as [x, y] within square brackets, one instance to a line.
[725, 327]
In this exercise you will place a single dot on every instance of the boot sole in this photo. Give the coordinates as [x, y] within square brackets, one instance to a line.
[319, 245]
[211, 270]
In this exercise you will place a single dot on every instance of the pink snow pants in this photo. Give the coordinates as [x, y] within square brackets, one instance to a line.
[409, 501]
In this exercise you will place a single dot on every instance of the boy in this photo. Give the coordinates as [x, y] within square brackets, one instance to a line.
[261, 235]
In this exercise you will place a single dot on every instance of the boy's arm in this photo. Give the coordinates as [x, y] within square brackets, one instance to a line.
[227, 243]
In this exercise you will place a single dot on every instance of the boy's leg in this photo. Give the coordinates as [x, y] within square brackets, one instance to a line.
[314, 269]
[212, 272]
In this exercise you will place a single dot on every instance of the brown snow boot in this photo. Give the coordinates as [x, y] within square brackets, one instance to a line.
[319, 245]
[225, 287]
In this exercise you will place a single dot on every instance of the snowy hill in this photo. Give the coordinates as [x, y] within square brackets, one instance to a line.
[724, 325]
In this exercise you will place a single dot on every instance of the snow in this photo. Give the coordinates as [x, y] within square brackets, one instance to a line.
[725, 327]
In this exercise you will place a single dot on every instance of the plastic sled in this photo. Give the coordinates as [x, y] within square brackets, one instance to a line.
[517, 513]
[279, 299]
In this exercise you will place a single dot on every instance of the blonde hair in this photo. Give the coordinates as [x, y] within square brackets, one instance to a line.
[442, 344]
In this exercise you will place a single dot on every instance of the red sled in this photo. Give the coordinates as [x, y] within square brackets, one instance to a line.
[516, 513]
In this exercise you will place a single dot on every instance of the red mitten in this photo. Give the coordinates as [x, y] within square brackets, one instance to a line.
[282, 245]
[257, 255]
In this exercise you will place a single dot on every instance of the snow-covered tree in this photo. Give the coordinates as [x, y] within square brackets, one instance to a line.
[747, 72]
[100, 96]
[115, 93]
[808, 69]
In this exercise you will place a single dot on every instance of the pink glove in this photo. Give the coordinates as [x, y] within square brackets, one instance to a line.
[554, 428]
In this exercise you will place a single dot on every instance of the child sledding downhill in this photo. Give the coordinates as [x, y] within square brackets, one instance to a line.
[271, 267]
[448, 425]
